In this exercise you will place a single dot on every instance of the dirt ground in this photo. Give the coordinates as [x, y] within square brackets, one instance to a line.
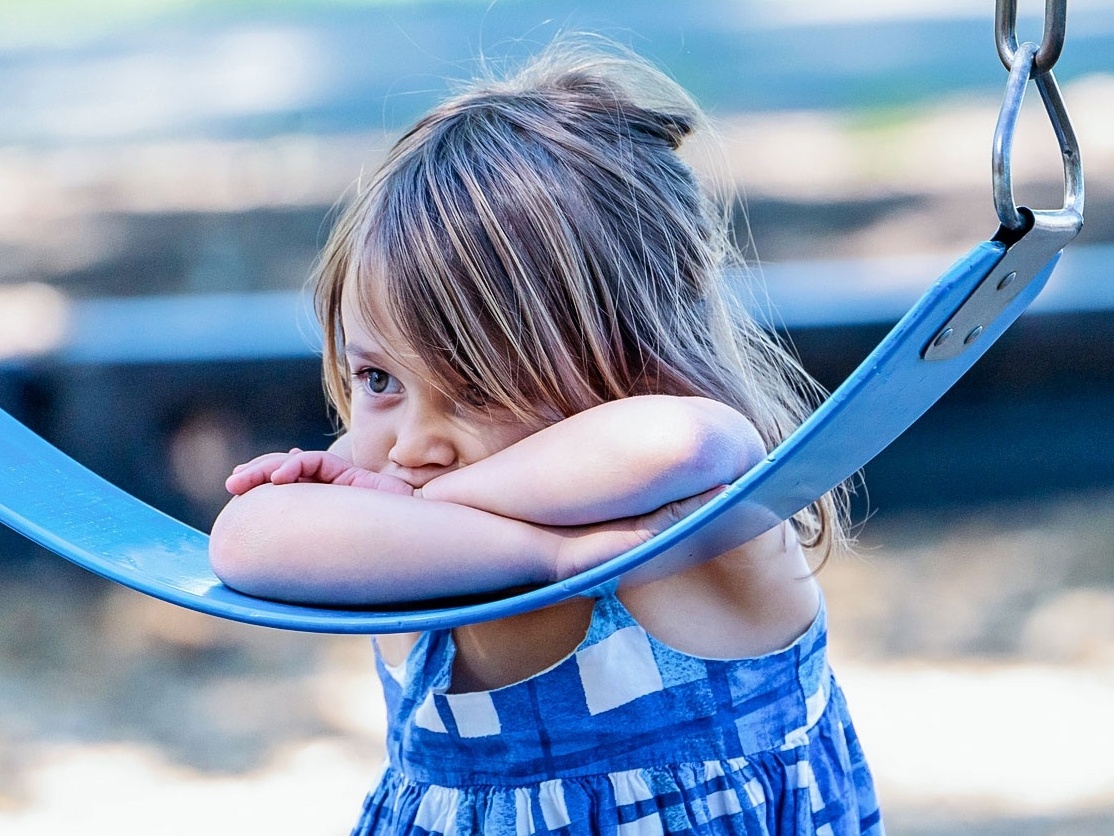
[976, 650]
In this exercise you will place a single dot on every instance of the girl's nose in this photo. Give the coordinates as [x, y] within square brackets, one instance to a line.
[422, 440]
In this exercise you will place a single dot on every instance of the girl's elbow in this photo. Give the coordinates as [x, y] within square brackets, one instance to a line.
[234, 553]
[711, 438]
[730, 451]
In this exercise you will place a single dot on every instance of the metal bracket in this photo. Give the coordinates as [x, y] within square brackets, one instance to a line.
[1020, 264]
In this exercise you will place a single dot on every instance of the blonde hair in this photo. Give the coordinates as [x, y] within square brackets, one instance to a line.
[544, 248]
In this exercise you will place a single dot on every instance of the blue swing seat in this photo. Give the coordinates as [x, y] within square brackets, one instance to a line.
[56, 502]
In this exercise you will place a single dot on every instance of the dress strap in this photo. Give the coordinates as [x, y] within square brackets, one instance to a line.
[604, 589]
[608, 617]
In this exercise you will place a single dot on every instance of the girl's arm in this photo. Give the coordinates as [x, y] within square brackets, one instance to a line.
[337, 544]
[560, 501]
[622, 458]
[311, 542]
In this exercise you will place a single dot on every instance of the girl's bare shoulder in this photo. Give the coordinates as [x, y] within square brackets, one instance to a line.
[753, 600]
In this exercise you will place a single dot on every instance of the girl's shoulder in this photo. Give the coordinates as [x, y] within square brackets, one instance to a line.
[750, 601]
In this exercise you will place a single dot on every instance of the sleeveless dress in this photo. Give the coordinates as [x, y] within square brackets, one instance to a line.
[625, 736]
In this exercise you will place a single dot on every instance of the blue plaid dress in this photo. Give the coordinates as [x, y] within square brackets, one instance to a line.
[626, 736]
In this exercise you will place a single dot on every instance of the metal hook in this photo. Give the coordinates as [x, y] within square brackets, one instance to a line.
[1055, 28]
[1023, 61]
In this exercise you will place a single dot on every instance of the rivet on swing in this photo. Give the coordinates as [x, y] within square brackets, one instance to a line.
[1007, 280]
[973, 335]
[943, 336]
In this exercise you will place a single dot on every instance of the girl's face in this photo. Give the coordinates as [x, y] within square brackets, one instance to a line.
[399, 423]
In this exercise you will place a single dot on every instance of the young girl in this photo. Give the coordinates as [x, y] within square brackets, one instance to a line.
[528, 338]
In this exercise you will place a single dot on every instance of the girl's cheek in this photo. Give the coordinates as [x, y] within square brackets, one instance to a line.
[369, 449]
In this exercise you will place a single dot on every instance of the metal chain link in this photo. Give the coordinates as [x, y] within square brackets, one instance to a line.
[1026, 62]
[1055, 25]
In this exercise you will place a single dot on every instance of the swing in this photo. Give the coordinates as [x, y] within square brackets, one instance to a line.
[56, 502]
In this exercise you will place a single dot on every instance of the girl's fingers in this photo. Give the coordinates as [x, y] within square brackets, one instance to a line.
[585, 547]
[255, 473]
[379, 482]
[243, 481]
[287, 472]
[312, 466]
[668, 515]
[285, 469]
[258, 460]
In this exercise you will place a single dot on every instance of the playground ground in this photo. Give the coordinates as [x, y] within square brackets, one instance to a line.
[976, 649]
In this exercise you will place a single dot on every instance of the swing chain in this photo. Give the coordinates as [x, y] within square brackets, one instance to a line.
[1055, 26]
[1024, 64]
[1031, 237]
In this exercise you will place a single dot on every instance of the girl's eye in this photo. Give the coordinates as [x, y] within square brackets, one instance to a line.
[378, 382]
[473, 396]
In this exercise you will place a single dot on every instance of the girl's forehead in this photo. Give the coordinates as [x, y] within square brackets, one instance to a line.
[368, 324]
[363, 310]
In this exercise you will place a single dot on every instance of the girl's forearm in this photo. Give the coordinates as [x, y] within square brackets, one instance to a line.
[620, 459]
[315, 543]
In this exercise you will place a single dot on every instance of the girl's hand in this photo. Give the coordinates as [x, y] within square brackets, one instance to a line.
[309, 466]
[585, 547]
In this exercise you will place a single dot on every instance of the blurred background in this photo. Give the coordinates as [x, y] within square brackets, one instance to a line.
[167, 174]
